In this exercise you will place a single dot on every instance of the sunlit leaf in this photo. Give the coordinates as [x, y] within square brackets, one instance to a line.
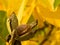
[13, 6]
[25, 14]
[56, 3]
[36, 15]
[10, 5]
[2, 5]
[47, 4]
[39, 9]
[2, 42]
[3, 27]
[50, 16]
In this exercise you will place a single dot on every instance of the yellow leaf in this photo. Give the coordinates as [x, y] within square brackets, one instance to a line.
[36, 15]
[10, 6]
[13, 6]
[29, 43]
[2, 5]
[52, 17]
[7, 43]
[47, 4]
[21, 10]
[23, 18]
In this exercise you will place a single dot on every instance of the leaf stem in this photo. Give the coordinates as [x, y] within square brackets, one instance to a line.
[48, 35]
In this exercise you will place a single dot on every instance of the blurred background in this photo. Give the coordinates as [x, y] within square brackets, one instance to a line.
[28, 11]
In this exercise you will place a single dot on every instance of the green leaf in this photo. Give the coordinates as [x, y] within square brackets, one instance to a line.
[3, 27]
[31, 19]
[36, 37]
[1, 42]
[56, 3]
[13, 21]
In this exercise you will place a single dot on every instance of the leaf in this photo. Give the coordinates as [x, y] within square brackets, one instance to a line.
[10, 5]
[52, 17]
[13, 21]
[31, 19]
[56, 3]
[24, 16]
[2, 42]
[47, 4]
[36, 15]
[3, 27]
[34, 37]
[13, 6]
[2, 5]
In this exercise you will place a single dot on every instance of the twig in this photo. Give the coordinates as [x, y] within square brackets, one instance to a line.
[48, 35]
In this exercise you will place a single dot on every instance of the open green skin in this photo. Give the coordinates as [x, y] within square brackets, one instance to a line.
[20, 32]
[23, 32]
